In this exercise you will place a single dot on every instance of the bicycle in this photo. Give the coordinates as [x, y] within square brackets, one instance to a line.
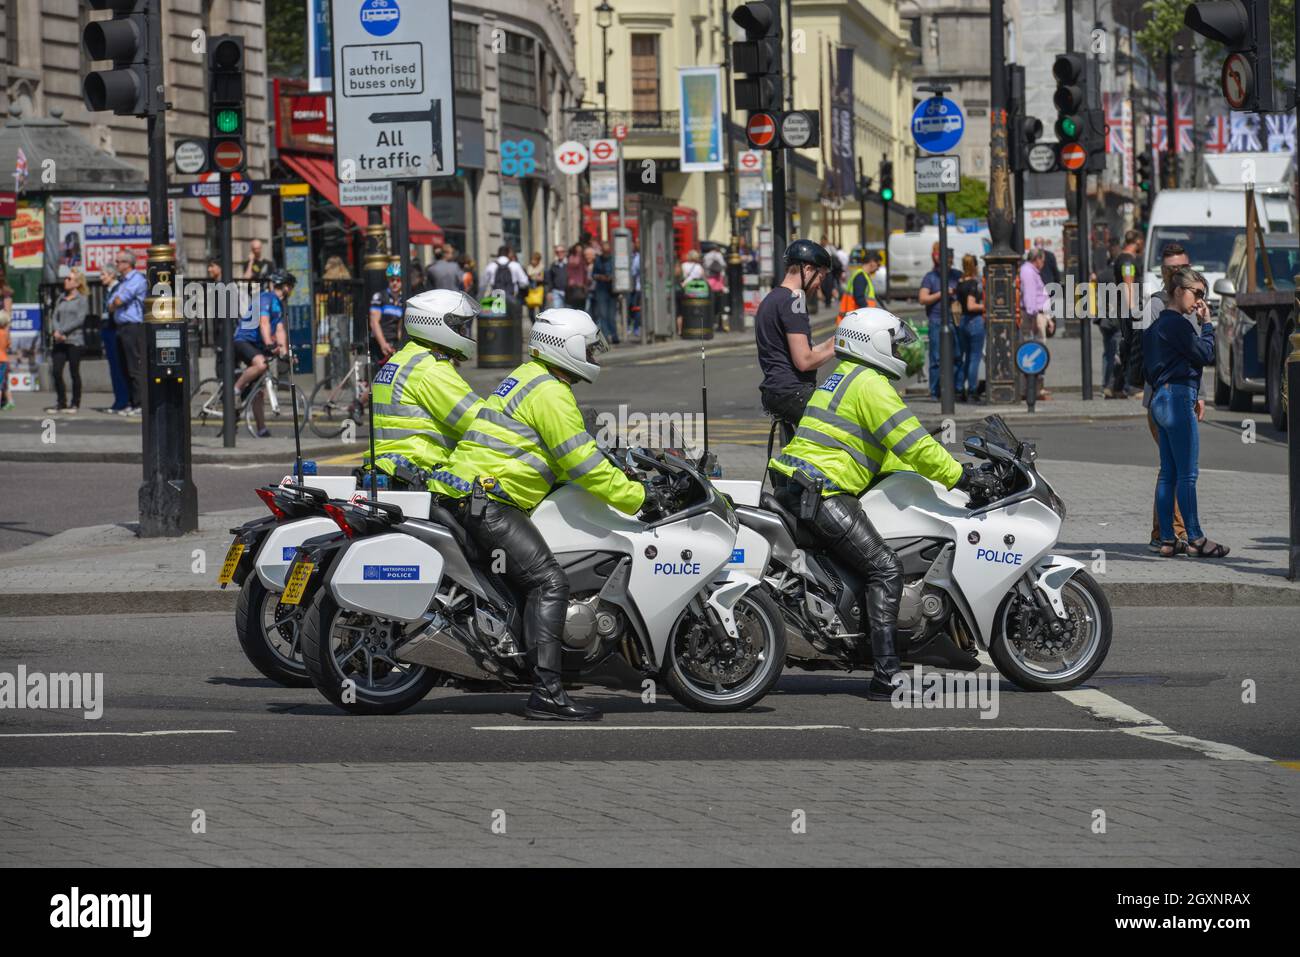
[206, 400]
[332, 405]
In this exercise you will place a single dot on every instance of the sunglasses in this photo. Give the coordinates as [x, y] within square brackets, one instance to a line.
[1197, 294]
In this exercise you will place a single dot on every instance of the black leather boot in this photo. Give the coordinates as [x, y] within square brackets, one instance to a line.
[549, 701]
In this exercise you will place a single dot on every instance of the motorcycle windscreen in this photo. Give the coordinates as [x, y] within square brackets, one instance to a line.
[390, 576]
[277, 552]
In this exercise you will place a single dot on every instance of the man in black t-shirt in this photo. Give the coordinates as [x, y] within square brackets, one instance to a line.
[783, 333]
[1118, 341]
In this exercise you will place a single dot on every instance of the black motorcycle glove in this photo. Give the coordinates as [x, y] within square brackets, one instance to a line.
[655, 505]
[976, 481]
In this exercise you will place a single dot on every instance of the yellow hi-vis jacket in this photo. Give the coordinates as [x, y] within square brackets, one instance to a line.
[527, 436]
[856, 426]
[422, 408]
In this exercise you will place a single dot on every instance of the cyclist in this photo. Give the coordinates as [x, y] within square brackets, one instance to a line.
[386, 317]
[261, 334]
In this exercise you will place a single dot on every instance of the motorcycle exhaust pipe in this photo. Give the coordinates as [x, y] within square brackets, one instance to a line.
[438, 646]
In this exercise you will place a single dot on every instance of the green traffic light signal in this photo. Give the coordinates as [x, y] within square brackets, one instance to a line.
[887, 195]
[1069, 127]
[228, 121]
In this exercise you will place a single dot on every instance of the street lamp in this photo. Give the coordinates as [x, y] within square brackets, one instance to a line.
[604, 20]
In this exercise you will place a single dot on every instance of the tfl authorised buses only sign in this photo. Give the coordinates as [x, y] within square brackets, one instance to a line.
[393, 111]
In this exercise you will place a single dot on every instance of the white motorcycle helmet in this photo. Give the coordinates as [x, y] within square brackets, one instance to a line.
[874, 336]
[442, 319]
[568, 339]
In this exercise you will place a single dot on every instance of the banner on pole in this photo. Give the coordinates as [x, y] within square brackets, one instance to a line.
[701, 119]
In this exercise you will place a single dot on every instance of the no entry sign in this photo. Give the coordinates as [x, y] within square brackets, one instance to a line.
[761, 131]
[228, 157]
[1073, 156]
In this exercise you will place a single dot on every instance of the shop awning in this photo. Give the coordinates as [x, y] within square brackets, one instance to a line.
[319, 174]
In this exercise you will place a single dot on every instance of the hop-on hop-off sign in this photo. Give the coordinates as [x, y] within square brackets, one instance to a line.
[393, 112]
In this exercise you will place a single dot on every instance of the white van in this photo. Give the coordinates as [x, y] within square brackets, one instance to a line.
[1206, 222]
[909, 256]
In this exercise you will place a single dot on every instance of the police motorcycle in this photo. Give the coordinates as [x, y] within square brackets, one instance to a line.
[259, 557]
[978, 574]
[399, 603]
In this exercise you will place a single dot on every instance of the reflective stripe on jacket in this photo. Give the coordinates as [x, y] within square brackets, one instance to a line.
[527, 436]
[855, 427]
[422, 408]
[870, 298]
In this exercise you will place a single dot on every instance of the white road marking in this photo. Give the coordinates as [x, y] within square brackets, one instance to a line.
[992, 728]
[106, 734]
[583, 726]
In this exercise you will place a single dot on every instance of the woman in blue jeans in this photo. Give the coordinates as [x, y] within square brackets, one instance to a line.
[1175, 348]
[970, 296]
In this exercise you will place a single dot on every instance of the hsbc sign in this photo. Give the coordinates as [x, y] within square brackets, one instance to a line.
[572, 157]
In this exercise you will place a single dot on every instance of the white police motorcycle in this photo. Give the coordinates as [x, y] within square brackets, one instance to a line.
[399, 603]
[978, 574]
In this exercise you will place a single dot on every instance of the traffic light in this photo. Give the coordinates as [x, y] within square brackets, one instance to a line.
[227, 149]
[1023, 131]
[758, 56]
[1242, 27]
[131, 88]
[886, 180]
[1145, 179]
[1070, 99]
[864, 187]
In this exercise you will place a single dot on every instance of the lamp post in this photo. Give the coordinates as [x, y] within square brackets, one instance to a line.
[1000, 262]
[604, 20]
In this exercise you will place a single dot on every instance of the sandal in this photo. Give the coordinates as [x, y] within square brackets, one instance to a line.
[1207, 549]
[1170, 549]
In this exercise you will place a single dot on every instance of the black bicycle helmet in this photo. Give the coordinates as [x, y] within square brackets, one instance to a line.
[805, 252]
[282, 277]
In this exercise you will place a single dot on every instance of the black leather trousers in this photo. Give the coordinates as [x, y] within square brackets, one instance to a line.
[842, 528]
[532, 568]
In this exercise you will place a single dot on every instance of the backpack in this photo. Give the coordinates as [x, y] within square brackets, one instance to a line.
[503, 278]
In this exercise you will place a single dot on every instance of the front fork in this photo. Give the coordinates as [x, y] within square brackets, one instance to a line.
[1049, 575]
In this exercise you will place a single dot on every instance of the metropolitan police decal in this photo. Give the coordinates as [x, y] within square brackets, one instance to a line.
[386, 374]
[831, 382]
[506, 385]
[390, 573]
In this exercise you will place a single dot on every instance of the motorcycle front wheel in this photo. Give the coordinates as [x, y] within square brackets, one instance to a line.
[349, 656]
[705, 678]
[1027, 655]
[270, 634]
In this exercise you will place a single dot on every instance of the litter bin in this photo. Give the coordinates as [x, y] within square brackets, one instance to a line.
[500, 332]
[697, 310]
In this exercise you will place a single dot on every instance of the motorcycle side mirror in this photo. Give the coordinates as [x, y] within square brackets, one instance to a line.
[974, 445]
[708, 462]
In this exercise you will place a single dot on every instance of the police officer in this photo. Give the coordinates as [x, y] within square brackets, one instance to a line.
[527, 436]
[786, 353]
[855, 428]
[422, 405]
[860, 285]
[386, 316]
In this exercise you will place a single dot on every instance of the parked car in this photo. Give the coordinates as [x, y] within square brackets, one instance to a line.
[1250, 317]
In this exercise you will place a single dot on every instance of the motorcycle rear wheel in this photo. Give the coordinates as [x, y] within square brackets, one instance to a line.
[1088, 608]
[340, 646]
[761, 628]
[257, 612]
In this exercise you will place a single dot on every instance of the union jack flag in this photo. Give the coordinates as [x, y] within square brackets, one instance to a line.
[1182, 124]
[1218, 135]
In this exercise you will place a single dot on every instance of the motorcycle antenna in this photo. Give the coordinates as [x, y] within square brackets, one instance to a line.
[297, 426]
[370, 414]
[704, 398]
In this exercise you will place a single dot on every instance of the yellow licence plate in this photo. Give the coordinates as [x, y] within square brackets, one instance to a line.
[231, 563]
[297, 583]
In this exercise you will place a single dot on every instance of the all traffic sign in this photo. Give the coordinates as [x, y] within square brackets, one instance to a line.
[1073, 156]
[572, 157]
[228, 157]
[1032, 358]
[761, 131]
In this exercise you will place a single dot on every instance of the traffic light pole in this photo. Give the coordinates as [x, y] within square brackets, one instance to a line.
[779, 221]
[168, 499]
[1001, 262]
[735, 271]
[947, 400]
[227, 320]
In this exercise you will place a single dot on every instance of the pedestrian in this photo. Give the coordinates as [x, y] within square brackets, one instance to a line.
[602, 296]
[1172, 257]
[634, 297]
[715, 274]
[970, 299]
[589, 261]
[108, 280]
[446, 273]
[879, 277]
[783, 333]
[535, 299]
[417, 277]
[575, 278]
[126, 305]
[930, 295]
[6, 401]
[1129, 303]
[385, 316]
[555, 278]
[336, 269]
[68, 338]
[690, 269]
[257, 267]
[506, 276]
[1034, 304]
[1174, 356]
[1051, 272]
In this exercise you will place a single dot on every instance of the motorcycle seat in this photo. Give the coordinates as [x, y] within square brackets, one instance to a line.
[798, 531]
[444, 520]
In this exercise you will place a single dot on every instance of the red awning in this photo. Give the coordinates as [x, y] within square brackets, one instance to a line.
[319, 173]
